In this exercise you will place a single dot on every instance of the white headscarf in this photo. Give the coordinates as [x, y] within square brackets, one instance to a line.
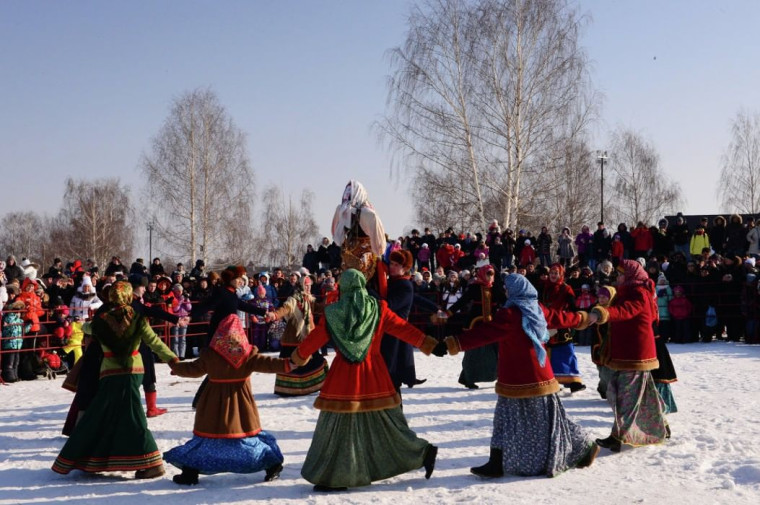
[355, 198]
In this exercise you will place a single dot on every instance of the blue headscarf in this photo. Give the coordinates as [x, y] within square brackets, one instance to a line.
[522, 294]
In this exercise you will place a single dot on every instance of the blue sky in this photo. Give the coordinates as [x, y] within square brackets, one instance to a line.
[86, 84]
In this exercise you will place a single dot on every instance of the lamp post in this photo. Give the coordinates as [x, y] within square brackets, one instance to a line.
[602, 156]
[151, 226]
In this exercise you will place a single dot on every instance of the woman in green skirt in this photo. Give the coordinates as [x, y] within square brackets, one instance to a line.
[113, 435]
[361, 434]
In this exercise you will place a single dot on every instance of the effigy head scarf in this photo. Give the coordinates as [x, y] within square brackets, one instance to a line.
[354, 198]
[522, 294]
[353, 319]
[230, 341]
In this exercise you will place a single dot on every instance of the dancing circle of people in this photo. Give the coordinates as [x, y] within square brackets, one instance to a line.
[507, 331]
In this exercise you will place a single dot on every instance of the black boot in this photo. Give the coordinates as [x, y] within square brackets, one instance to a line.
[188, 477]
[610, 443]
[273, 472]
[429, 461]
[576, 386]
[468, 385]
[494, 467]
[319, 488]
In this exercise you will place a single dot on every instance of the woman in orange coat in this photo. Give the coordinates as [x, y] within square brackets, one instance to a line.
[361, 434]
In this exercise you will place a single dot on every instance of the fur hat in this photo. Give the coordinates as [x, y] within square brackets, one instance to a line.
[231, 273]
[138, 280]
[403, 258]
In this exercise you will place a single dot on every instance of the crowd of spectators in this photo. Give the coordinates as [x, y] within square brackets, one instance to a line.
[706, 280]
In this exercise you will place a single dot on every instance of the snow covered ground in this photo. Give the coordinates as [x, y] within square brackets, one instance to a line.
[713, 457]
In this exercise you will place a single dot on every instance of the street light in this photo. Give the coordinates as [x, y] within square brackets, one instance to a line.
[601, 156]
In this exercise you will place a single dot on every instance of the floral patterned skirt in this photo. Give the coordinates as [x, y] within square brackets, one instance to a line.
[236, 455]
[536, 437]
[638, 408]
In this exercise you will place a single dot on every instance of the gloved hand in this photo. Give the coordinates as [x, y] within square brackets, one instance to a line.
[440, 349]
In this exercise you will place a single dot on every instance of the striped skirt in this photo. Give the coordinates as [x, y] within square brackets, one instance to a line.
[113, 434]
[303, 380]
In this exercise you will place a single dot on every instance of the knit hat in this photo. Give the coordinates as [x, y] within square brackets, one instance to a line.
[661, 279]
[585, 286]
[750, 261]
[231, 273]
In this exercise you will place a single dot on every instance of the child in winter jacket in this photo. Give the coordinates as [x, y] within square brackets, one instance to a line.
[527, 254]
[680, 313]
[14, 328]
[585, 301]
[618, 250]
[180, 306]
[664, 295]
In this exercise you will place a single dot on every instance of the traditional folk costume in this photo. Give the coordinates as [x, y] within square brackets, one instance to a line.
[600, 350]
[298, 311]
[480, 299]
[631, 391]
[532, 434]
[558, 295]
[357, 229]
[113, 434]
[227, 435]
[361, 434]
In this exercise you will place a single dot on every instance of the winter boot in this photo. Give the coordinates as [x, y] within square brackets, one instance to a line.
[429, 461]
[150, 402]
[319, 488]
[589, 457]
[150, 473]
[610, 443]
[188, 477]
[494, 467]
[273, 473]
[575, 387]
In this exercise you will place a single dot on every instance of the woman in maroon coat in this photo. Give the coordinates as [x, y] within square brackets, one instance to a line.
[631, 391]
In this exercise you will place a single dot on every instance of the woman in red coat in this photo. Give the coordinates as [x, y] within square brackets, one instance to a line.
[532, 434]
[631, 391]
[361, 434]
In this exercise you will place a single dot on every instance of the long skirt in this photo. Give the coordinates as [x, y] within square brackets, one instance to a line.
[637, 407]
[565, 363]
[113, 434]
[303, 380]
[479, 365]
[666, 393]
[605, 374]
[235, 455]
[536, 437]
[355, 449]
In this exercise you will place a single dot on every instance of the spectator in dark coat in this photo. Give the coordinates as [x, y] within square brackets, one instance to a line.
[310, 260]
[627, 240]
[680, 235]
[12, 270]
[662, 240]
[736, 237]
[717, 234]
[601, 244]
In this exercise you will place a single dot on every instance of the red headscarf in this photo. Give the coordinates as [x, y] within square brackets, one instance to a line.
[634, 273]
[554, 295]
[482, 277]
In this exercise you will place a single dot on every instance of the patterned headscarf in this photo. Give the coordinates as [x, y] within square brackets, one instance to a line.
[634, 273]
[353, 319]
[522, 294]
[230, 341]
[112, 321]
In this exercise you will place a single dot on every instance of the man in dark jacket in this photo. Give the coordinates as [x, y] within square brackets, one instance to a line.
[310, 260]
[601, 243]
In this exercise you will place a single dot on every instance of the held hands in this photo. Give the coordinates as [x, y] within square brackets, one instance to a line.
[593, 318]
[270, 317]
[440, 349]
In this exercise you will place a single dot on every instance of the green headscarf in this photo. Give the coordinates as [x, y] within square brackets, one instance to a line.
[353, 319]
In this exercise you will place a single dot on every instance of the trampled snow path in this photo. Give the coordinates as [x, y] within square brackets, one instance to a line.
[713, 457]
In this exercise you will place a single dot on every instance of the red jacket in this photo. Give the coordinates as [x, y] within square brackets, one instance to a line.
[631, 339]
[679, 307]
[642, 239]
[519, 374]
[364, 386]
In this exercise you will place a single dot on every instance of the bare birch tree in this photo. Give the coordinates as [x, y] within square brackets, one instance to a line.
[22, 234]
[431, 123]
[481, 91]
[739, 185]
[96, 221]
[198, 176]
[288, 227]
[641, 191]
